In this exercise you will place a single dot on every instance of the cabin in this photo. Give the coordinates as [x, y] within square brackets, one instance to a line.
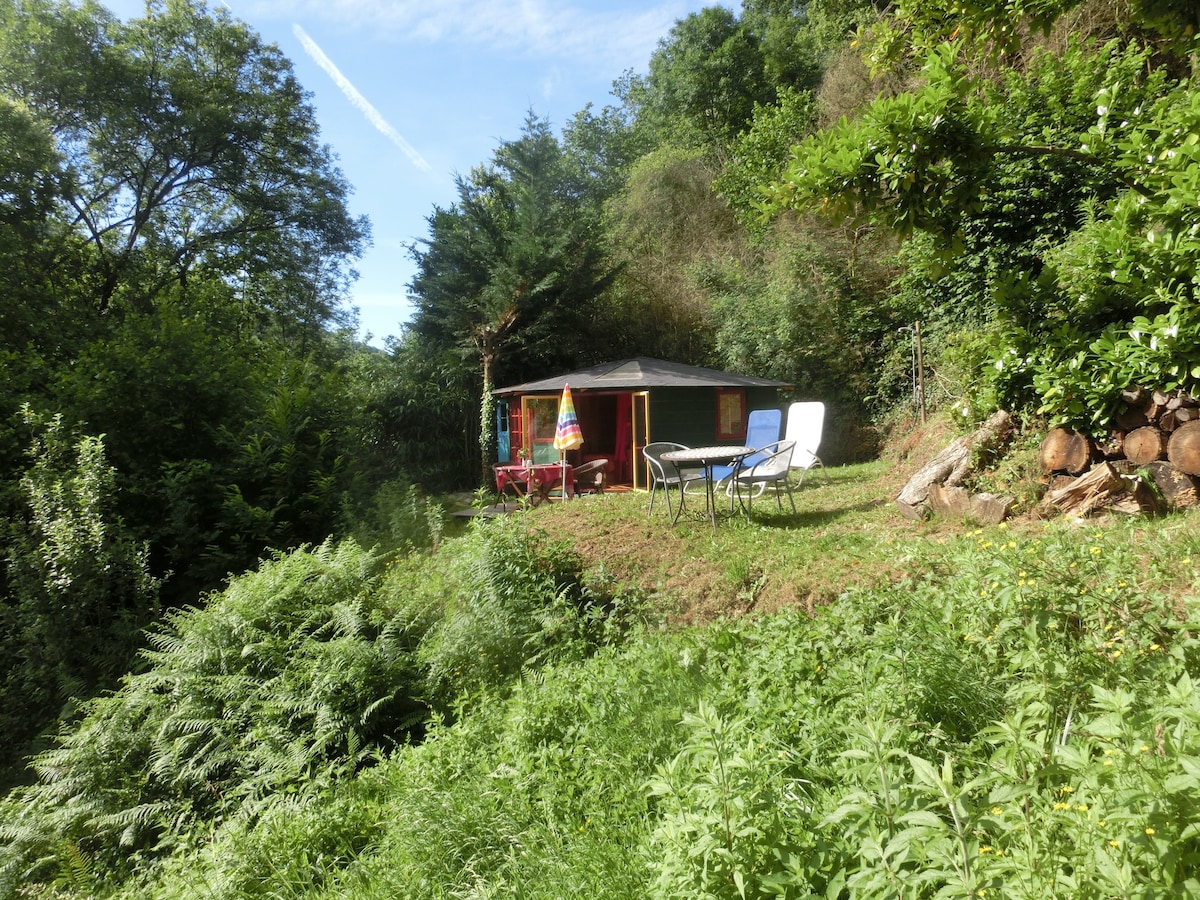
[624, 405]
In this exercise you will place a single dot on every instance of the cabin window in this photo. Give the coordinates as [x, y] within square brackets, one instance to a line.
[731, 414]
[540, 418]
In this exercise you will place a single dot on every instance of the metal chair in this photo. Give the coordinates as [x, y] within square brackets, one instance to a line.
[772, 469]
[763, 426]
[665, 475]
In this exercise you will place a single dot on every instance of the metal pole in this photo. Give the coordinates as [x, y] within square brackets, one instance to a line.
[920, 374]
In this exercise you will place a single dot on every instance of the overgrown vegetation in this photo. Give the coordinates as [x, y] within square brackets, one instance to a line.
[342, 698]
[1013, 712]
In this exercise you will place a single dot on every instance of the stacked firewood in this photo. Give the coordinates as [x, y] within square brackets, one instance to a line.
[1148, 462]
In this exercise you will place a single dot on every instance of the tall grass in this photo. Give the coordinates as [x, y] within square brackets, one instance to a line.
[1014, 717]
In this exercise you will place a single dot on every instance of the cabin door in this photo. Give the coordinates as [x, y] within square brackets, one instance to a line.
[503, 443]
[641, 437]
[539, 416]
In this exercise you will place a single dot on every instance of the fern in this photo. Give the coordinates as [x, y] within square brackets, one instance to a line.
[76, 872]
[281, 676]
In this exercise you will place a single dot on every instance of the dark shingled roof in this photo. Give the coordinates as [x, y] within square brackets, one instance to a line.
[638, 374]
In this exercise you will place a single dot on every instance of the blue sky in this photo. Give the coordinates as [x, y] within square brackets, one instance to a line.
[410, 92]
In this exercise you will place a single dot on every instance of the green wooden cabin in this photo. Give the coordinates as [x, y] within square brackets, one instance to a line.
[622, 406]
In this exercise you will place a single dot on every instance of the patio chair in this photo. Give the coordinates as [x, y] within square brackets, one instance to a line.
[763, 427]
[591, 476]
[773, 469]
[805, 422]
[666, 475]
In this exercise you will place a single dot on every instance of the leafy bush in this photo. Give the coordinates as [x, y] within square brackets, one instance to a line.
[1014, 714]
[540, 795]
[729, 817]
[77, 586]
[400, 518]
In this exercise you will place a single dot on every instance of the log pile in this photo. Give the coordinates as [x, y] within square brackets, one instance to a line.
[1155, 441]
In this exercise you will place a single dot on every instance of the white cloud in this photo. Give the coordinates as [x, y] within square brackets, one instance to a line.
[593, 32]
[358, 100]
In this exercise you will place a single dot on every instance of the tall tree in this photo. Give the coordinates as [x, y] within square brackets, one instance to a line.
[188, 144]
[171, 229]
[704, 80]
[507, 273]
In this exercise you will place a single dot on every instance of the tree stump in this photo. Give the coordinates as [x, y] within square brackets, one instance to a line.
[959, 503]
[1145, 445]
[952, 465]
[1183, 450]
[1064, 450]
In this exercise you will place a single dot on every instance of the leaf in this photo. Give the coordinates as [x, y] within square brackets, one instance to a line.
[925, 773]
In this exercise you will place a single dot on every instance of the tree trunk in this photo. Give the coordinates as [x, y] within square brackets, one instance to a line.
[1064, 450]
[1145, 445]
[1183, 450]
[487, 420]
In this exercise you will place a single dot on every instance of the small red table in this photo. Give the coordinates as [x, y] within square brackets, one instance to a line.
[535, 481]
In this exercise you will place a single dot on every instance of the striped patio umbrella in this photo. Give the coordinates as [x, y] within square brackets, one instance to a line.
[567, 434]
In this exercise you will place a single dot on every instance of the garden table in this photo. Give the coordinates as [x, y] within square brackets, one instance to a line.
[705, 458]
[536, 482]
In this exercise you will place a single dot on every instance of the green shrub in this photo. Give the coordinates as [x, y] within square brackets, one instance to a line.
[77, 586]
[293, 672]
[401, 518]
[509, 601]
[730, 819]
[1015, 714]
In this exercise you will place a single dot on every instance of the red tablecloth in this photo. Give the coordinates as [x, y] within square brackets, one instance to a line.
[534, 481]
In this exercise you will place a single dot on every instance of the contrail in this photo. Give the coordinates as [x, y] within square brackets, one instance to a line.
[358, 100]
